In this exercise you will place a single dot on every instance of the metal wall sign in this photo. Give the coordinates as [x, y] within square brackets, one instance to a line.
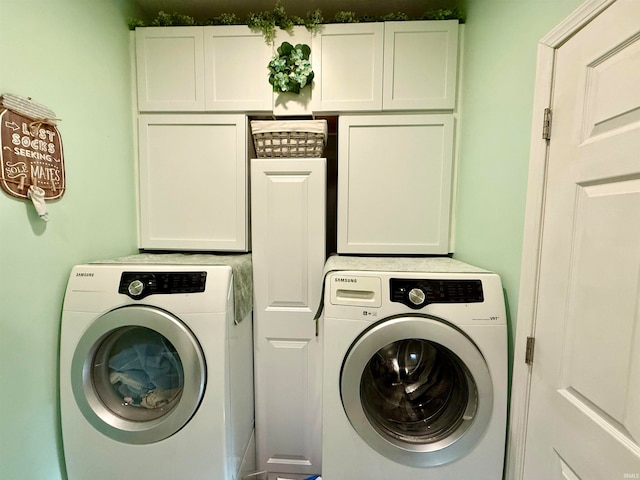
[30, 154]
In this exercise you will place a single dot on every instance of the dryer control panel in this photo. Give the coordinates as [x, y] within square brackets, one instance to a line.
[138, 285]
[416, 293]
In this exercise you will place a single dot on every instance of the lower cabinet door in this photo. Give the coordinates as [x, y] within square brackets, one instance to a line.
[288, 234]
[394, 183]
[193, 182]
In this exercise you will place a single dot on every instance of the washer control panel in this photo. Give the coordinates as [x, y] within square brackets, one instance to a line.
[417, 293]
[138, 285]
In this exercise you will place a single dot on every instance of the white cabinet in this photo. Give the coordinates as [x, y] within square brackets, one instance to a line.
[170, 69]
[214, 68]
[385, 66]
[347, 62]
[288, 236]
[394, 183]
[420, 65]
[193, 182]
[358, 67]
[235, 69]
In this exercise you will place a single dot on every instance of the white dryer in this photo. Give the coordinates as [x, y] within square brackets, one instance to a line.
[156, 378]
[415, 370]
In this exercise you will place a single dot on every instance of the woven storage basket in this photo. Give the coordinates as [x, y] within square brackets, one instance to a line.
[289, 139]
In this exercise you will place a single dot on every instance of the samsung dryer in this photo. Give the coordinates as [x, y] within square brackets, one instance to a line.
[156, 379]
[415, 370]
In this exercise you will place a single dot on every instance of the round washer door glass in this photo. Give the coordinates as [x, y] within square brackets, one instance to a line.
[138, 374]
[417, 390]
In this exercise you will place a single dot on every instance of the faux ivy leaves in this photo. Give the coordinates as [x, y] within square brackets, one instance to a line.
[290, 69]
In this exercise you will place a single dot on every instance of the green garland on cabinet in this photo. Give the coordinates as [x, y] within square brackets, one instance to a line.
[268, 21]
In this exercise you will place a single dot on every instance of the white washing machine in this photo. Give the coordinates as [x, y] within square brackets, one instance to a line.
[415, 370]
[156, 376]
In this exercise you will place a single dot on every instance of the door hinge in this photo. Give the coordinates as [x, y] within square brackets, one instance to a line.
[528, 356]
[546, 124]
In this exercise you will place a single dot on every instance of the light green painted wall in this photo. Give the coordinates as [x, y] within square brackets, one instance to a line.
[500, 49]
[72, 56]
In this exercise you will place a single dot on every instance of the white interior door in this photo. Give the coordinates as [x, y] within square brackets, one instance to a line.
[584, 411]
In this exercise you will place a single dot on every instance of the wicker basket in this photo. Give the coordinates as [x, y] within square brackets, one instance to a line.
[289, 139]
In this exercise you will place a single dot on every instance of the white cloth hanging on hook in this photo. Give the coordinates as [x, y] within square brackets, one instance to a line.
[25, 106]
[36, 194]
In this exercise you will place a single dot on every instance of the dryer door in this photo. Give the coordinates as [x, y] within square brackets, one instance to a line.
[138, 374]
[417, 390]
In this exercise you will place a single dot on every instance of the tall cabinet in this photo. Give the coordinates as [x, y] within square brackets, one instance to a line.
[288, 228]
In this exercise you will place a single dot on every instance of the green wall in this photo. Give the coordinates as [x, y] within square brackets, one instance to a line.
[500, 50]
[72, 56]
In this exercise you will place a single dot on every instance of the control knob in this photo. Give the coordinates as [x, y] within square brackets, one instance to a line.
[417, 296]
[135, 288]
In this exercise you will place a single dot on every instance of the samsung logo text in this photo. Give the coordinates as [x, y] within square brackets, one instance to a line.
[345, 280]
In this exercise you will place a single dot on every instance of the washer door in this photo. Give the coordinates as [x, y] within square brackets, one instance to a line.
[417, 390]
[138, 374]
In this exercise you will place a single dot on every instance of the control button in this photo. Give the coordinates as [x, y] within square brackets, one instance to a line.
[417, 296]
[135, 288]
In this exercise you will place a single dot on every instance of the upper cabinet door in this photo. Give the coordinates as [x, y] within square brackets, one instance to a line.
[170, 69]
[420, 65]
[347, 61]
[235, 69]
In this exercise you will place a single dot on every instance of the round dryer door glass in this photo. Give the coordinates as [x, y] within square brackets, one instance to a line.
[416, 391]
[137, 374]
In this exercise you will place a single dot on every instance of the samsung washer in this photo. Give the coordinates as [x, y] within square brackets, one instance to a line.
[415, 370]
[156, 379]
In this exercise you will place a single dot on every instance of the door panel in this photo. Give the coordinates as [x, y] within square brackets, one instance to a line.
[288, 225]
[603, 293]
[584, 417]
